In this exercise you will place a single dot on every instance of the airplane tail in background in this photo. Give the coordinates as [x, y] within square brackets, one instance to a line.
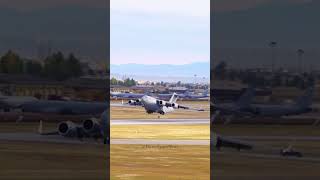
[246, 98]
[105, 127]
[173, 98]
[205, 93]
[306, 99]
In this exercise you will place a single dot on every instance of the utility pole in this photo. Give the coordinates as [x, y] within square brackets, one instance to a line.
[300, 53]
[273, 45]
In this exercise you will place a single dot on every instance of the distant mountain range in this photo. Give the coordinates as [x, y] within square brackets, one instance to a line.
[199, 72]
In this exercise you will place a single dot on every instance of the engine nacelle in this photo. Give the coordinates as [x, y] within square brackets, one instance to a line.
[175, 105]
[134, 102]
[91, 126]
[68, 129]
[161, 103]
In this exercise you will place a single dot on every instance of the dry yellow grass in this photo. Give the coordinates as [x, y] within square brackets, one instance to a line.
[31, 161]
[27, 160]
[161, 131]
[160, 162]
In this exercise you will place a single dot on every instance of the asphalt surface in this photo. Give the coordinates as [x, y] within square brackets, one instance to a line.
[32, 137]
[269, 156]
[277, 138]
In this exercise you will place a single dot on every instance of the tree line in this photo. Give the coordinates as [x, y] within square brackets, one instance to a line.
[126, 82]
[56, 66]
[262, 79]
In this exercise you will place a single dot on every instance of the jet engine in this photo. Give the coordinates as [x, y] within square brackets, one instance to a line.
[134, 102]
[91, 127]
[175, 105]
[68, 128]
[161, 103]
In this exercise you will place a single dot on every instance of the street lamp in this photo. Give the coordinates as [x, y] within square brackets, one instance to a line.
[273, 45]
[300, 53]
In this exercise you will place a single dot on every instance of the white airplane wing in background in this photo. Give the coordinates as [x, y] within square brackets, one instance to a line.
[192, 108]
[131, 103]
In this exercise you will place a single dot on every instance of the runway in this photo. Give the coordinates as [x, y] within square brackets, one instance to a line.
[269, 156]
[277, 138]
[59, 139]
[36, 138]
[159, 121]
[32, 137]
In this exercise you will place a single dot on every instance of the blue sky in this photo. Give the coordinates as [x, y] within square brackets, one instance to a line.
[160, 31]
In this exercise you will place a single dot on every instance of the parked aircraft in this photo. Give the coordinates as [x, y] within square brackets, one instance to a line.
[240, 107]
[186, 95]
[302, 105]
[90, 128]
[126, 95]
[64, 107]
[12, 102]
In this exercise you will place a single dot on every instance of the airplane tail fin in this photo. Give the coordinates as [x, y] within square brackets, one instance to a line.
[246, 98]
[306, 99]
[173, 98]
[105, 128]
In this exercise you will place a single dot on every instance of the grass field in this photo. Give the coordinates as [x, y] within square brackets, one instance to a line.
[232, 166]
[161, 131]
[26, 160]
[267, 130]
[160, 162]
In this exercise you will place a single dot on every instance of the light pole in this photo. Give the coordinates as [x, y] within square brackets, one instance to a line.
[300, 53]
[273, 45]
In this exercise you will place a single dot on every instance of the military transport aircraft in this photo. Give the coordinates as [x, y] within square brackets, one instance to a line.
[154, 105]
[300, 106]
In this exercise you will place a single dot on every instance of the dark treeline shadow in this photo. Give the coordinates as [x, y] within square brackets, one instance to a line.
[54, 89]
[264, 77]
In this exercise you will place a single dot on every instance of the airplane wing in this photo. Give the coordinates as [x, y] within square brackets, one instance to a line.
[49, 133]
[237, 112]
[126, 105]
[232, 143]
[195, 109]
[182, 107]
[131, 103]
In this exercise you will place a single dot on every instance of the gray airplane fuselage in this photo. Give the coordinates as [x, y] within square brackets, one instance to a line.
[151, 106]
[127, 95]
[64, 107]
[278, 110]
